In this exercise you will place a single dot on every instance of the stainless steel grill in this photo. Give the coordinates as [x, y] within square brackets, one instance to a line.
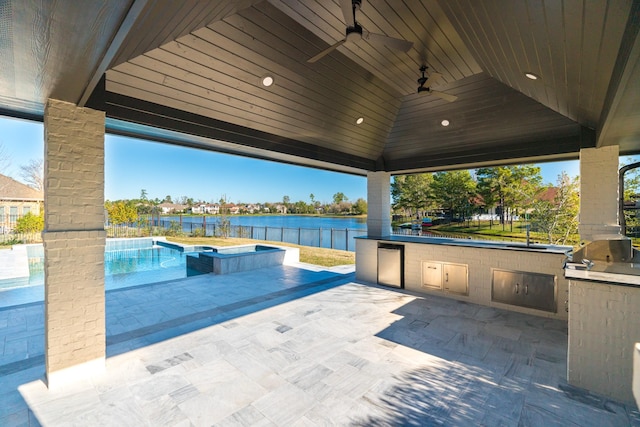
[613, 250]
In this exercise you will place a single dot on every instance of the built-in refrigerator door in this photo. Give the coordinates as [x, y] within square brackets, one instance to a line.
[390, 267]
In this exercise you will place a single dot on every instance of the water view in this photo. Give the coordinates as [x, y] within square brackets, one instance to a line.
[286, 221]
[319, 231]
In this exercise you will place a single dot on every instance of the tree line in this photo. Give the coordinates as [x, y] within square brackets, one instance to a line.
[129, 210]
[506, 191]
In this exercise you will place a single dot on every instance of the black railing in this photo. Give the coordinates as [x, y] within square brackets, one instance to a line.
[331, 238]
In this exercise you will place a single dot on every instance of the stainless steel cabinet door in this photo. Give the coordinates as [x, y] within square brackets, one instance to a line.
[507, 287]
[525, 289]
[455, 278]
[432, 275]
[540, 291]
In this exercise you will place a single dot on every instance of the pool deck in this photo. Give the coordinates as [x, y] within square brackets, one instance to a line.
[301, 346]
[14, 263]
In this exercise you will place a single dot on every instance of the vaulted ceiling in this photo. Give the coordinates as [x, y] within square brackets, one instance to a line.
[190, 72]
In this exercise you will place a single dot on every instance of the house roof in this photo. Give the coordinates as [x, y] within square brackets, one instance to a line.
[171, 205]
[10, 189]
[189, 72]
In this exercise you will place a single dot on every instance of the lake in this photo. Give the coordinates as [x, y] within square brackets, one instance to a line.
[319, 231]
[286, 221]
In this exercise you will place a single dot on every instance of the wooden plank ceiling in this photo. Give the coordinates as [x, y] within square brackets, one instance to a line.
[194, 68]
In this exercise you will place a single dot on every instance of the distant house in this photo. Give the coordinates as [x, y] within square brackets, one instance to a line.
[168, 208]
[281, 209]
[197, 209]
[205, 208]
[252, 208]
[213, 208]
[16, 200]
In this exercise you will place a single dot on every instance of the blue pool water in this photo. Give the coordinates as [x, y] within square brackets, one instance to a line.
[128, 262]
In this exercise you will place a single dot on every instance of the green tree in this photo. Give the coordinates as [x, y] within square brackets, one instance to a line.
[167, 199]
[30, 223]
[223, 227]
[509, 187]
[339, 197]
[360, 207]
[558, 218]
[121, 212]
[143, 195]
[285, 201]
[301, 207]
[453, 191]
[412, 193]
[631, 195]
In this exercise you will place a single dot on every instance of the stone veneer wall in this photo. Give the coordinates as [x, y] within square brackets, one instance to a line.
[479, 261]
[379, 204]
[604, 325]
[598, 192]
[74, 236]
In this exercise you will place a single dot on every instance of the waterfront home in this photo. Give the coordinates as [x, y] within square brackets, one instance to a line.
[16, 200]
[168, 208]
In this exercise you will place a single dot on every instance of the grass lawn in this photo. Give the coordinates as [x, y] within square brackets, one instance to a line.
[318, 256]
[495, 232]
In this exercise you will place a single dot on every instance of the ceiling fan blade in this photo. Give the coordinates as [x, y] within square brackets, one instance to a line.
[390, 42]
[442, 95]
[347, 11]
[326, 51]
[433, 79]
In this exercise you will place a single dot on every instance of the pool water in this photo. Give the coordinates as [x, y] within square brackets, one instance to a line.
[127, 262]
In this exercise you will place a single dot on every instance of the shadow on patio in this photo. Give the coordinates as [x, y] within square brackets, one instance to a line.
[287, 346]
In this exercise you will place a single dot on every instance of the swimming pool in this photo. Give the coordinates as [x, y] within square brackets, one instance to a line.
[127, 262]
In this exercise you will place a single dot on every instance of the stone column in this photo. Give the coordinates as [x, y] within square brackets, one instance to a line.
[74, 241]
[598, 193]
[378, 204]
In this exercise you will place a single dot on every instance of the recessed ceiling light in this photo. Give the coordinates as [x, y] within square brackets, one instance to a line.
[531, 76]
[359, 120]
[445, 123]
[267, 80]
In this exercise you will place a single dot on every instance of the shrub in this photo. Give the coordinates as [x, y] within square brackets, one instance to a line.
[223, 227]
[198, 232]
[174, 229]
[29, 223]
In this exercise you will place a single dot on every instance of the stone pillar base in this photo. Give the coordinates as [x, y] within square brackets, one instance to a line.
[59, 379]
[74, 298]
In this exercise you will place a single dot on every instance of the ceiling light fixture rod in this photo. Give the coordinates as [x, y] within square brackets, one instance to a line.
[422, 80]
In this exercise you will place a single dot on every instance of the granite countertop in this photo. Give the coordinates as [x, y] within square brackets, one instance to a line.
[622, 273]
[481, 244]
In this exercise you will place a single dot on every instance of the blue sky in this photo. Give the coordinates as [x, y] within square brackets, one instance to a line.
[132, 165]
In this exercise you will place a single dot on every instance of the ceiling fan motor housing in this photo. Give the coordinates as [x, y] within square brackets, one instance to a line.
[353, 34]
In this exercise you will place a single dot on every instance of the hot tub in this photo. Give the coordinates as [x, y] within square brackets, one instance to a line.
[232, 259]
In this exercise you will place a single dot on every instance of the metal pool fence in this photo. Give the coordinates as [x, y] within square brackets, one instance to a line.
[332, 238]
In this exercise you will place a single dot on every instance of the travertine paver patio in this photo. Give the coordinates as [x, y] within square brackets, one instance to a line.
[293, 346]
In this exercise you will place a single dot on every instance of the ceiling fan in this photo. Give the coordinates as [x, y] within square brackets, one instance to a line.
[432, 79]
[355, 33]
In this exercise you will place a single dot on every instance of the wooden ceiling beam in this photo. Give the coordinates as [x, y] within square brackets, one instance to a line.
[134, 12]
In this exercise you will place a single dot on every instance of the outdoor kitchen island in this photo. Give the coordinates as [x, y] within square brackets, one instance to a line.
[513, 276]
[604, 319]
